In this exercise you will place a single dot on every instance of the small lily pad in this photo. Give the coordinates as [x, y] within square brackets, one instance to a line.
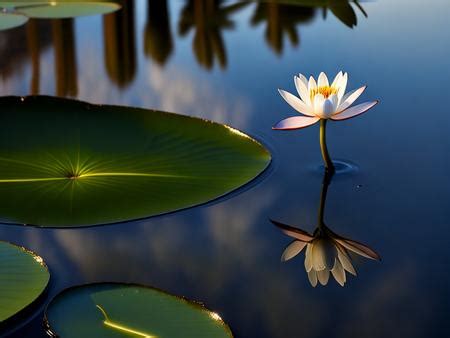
[11, 20]
[60, 9]
[68, 163]
[109, 310]
[23, 278]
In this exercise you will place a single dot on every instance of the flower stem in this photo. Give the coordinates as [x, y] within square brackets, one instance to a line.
[329, 166]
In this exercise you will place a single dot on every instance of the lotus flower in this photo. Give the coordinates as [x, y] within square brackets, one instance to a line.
[322, 100]
[326, 252]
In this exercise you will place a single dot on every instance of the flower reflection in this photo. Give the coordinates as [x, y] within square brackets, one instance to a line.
[326, 251]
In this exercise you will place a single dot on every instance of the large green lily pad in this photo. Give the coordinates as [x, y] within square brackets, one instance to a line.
[23, 278]
[60, 9]
[109, 310]
[68, 163]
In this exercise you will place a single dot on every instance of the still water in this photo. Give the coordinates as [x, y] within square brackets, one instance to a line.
[224, 61]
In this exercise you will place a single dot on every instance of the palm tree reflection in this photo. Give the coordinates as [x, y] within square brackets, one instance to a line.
[326, 251]
[208, 18]
[120, 44]
[158, 42]
[35, 53]
[281, 19]
[65, 57]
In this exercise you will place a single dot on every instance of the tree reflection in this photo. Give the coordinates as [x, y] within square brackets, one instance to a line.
[208, 18]
[65, 57]
[120, 44]
[326, 251]
[35, 51]
[281, 19]
[158, 42]
[343, 10]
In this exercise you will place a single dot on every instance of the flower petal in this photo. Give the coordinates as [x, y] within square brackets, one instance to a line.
[354, 111]
[358, 248]
[323, 276]
[301, 83]
[318, 105]
[312, 276]
[312, 85]
[328, 108]
[308, 257]
[338, 273]
[296, 103]
[296, 122]
[292, 250]
[345, 260]
[323, 80]
[336, 80]
[296, 233]
[323, 254]
[333, 98]
[342, 86]
[350, 97]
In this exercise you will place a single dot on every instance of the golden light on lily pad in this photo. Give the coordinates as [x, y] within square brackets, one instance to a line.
[108, 310]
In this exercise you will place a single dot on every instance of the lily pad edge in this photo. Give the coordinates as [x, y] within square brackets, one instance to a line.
[196, 304]
[32, 310]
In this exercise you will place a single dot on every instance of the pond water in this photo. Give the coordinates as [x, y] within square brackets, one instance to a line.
[224, 61]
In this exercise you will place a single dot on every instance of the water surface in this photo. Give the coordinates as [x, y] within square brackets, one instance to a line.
[222, 61]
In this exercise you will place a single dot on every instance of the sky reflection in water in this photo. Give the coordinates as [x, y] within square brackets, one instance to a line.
[228, 69]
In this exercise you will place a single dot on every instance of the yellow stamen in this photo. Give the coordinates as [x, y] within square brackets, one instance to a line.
[326, 91]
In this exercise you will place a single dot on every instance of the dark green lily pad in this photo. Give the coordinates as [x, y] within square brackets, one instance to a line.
[23, 278]
[10, 20]
[69, 163]
[109, 310]
[60, 9]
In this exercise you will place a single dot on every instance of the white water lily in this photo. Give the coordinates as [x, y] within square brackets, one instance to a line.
[322, 100]
[326, 252]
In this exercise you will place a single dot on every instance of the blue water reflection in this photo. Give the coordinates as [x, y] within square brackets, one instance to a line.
[227, 254]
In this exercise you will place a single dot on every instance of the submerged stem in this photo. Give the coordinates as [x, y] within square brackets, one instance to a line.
[329, 166]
